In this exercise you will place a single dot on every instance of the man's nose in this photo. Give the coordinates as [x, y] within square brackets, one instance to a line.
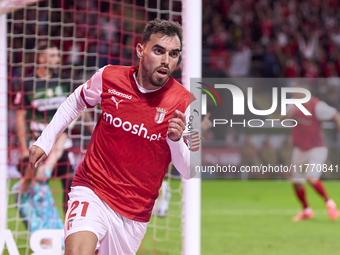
[165, 59]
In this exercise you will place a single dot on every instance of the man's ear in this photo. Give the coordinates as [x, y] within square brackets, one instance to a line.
[139, 50]
[41, 58]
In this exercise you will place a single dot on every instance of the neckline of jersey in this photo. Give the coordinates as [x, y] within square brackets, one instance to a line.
[149, 95]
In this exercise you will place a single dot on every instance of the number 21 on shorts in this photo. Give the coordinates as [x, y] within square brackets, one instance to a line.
[72, 214]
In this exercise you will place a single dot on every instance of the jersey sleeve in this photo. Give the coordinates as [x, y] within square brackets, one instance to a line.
[324, 112]
[93, 88]
[191, 134]
[185, 153]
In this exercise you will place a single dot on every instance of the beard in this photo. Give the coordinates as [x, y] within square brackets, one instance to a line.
[157, 82]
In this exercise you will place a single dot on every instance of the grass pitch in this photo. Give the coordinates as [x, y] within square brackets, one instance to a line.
[254, 217]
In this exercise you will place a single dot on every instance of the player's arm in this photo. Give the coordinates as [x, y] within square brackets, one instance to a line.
[87, 94]
[336, 119]
[185, 152]
[324, 112]
[21, 132]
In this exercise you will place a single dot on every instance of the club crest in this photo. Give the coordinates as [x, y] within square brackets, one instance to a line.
[160, 115]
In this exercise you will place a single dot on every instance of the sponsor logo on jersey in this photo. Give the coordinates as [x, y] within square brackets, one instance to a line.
[120, 94]
[192, 140]
[160, 115]
[58, 90]
[115, 101]
[49, 92]
[127, 126]
[45, 104]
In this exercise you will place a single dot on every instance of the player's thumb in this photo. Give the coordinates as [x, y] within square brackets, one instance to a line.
[176, 113]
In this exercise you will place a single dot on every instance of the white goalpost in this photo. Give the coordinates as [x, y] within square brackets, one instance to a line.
[192, 68]
[6, 237]
[3, 121]
[119, 50]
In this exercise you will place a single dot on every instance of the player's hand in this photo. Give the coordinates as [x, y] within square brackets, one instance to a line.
[176, 126]
[37, 155]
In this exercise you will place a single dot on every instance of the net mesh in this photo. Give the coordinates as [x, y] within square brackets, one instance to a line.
[89, 35]
[10, 5]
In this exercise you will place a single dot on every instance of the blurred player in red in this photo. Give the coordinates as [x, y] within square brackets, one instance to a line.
[309, 148]
[148, 119]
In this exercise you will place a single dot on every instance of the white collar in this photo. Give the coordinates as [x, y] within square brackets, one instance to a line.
[141, 89]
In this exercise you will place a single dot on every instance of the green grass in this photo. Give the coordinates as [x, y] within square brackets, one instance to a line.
[250, 217]
[254, 217]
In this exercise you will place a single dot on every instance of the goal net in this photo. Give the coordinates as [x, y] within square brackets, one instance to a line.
[89, 35]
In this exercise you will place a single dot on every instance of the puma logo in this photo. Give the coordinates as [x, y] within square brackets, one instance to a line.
[115, 101]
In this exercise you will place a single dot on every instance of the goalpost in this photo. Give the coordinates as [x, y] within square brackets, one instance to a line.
[114, 45]
[192, 65]
[3, 121]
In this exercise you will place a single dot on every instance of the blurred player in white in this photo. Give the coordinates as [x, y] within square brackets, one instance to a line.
[148, 119]
[309, 148]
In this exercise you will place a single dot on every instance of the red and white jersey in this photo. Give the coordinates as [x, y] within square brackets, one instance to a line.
[128, 154]
[308, 132]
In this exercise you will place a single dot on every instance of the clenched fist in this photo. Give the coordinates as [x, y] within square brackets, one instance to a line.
[176, 126]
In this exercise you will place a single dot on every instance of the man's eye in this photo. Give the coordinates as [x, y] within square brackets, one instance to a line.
[158, 51]
[174, 54]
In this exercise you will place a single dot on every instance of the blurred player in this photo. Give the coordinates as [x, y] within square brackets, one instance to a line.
[309, 148]
[40, 98]
[36, 104]
[145, 116]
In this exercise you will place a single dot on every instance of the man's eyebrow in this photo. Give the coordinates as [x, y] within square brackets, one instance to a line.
[161, 47]
[177, 50]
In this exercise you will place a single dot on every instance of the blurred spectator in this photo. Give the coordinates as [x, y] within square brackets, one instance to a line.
[292, 68]
[240, 61]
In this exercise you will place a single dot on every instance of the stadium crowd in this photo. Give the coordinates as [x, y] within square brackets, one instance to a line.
[275, 38]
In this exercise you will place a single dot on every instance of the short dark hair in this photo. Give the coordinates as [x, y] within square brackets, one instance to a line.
[164, 28]
[44, 45]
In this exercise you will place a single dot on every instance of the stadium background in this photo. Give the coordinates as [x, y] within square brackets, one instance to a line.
[273, 39]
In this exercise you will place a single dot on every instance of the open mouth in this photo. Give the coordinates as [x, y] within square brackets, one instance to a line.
[162, 71]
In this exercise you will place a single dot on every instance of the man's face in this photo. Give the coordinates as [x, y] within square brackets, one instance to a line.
[51, 58]
[160, 58]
